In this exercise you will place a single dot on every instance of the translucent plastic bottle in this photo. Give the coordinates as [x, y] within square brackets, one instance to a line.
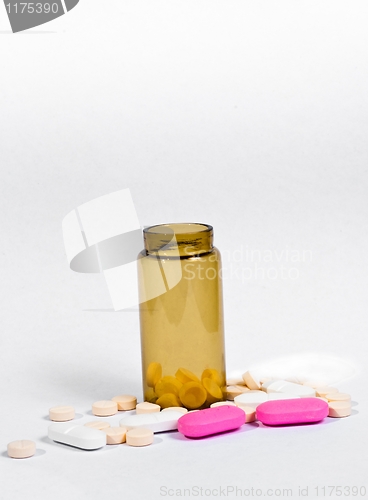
[181, 316]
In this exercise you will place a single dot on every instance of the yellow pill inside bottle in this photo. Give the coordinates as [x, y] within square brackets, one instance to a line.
[213, 375]
[214, 392]
[184, 376]
[193, 395]
[168, 400]
[167, 384]
[153, 374]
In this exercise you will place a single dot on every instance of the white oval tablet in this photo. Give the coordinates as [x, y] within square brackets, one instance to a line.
[156, 422]
[289, 387]
[79, 436]
[251, 398]
[278, 396]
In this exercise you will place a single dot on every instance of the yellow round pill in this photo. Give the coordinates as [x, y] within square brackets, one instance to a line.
[153, 374]
[167, 400]
[213, 375]
[150, 396]
[184, 376]
[214, 392]
[192, 395]
[168, 384]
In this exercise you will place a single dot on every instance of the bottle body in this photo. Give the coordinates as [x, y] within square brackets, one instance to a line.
[182, 329]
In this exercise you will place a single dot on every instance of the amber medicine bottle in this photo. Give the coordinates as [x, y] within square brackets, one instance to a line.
[181, 316]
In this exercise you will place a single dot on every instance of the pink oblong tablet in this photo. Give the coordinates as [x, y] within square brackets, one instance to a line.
[292, 411]
[211, 421]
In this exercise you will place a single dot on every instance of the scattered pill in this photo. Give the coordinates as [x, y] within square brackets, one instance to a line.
[139, 437]
[153, 374]
[290, 387]
[61, 413]
[251, 398]
[21, 449]
[339, 409]
[192, 395]
[147, 408]
[98, 424]
[115, 435]
[211, 421]
[156, 422]
[79, 436]
[235, 390]
[322, 391]
[292, 411]
[176, 408]
[222, 403]
[125, 402]
[250, 413]
[104, 408]
[338, 396]
[214, 392]
[251, 381]
[235, 381]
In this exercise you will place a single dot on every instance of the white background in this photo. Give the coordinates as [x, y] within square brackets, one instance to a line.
[247, 115]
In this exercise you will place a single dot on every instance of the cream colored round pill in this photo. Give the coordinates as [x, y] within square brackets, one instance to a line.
[147, 408]
[339, 409]
[250, 413]
[251, 381]
[176, 408]
[115, 435]
[235, 390]
[338, 396]
[235, 381]
[322, 391]
[323, 399]
[21, 449]
[61, 413]
[125, 402]
[98, 424]
[222, 403]
[139, 437]
[104, 408]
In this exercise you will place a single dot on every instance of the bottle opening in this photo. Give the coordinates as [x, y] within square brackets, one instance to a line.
[178, 239]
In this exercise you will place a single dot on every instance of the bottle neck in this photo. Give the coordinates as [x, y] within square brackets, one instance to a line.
[178, 239]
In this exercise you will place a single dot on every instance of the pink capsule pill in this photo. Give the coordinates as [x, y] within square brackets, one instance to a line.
[292, 411]
[211, 421]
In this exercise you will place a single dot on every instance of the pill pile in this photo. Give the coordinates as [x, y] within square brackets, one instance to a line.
[184, 389]
[195, 408]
